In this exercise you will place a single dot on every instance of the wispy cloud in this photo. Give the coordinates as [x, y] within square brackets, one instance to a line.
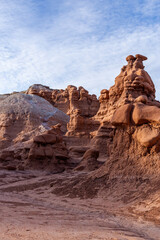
[58, 43]
[150, 8]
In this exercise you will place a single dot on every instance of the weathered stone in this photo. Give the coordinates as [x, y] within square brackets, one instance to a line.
[143, 58]
[24, 116]
[133, 84]
[130, 57]
[147, 136]
[39, 139]
[144, 114]
[122, 115]
[89, 161]
[69, 99]
[45, 138]
[142, 99]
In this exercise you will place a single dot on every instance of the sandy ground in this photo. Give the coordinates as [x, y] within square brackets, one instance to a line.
[30, 211]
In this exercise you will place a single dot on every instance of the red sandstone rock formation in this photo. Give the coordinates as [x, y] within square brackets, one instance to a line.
[81, 126]
[127, 122]
[130, 102]
[89, 161]
[69, 99]
[41, 91]
[117, 149]
[77, 103]
[48, 150]
[133, 90]
[103, 100]
[132, 85]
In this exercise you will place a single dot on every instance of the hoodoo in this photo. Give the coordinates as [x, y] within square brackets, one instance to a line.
[78, 146]
[117, 134]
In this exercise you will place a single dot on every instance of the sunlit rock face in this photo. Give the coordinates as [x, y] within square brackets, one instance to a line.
[127, 111]
[133, 81]
[75, 102]
[41, 91]
[129, 115]
[132, 85]
[69, 99]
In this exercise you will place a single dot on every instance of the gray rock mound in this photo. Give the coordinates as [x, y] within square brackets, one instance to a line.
[24, 116]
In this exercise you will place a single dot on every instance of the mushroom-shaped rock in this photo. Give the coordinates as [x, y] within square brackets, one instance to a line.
[139, 56]
[130, 57]
[144, 114]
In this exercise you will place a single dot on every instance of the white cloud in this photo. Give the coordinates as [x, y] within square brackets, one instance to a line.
[150, 8]
[68, 49]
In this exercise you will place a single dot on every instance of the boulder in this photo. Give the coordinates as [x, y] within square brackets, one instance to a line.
[139, 56]
[47, 149]
[147, 136]
[122, 115]
[89, 161]
[144, 114]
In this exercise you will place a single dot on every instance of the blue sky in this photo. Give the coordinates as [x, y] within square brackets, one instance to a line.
[78, 42]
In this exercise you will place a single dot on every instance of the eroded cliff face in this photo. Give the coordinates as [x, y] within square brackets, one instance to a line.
[131, 101]
[129, 110]
[69, 99]
[126, 140]
[108, 148]
[119, 133]
[75, 102]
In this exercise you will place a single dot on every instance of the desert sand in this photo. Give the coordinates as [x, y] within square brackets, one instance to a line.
[29, 210]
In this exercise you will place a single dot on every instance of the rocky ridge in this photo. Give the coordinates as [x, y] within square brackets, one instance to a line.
[112, 139]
